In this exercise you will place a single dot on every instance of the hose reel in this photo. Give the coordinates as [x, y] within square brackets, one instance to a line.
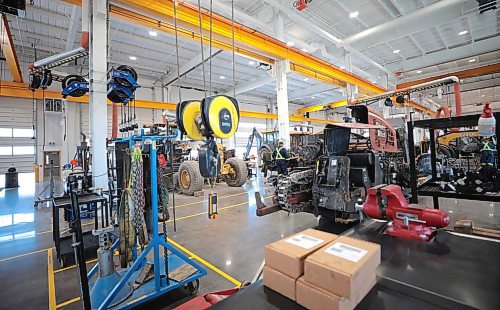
[122, 83]
[213, 117]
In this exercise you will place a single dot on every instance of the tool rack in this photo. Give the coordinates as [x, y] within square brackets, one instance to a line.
[431, 188]
[159, 284]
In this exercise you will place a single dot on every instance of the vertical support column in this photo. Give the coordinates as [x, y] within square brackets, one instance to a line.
[281, 68]
[413, 166]
[98, 91]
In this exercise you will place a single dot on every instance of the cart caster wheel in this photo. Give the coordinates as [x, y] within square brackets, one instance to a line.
[193, 287]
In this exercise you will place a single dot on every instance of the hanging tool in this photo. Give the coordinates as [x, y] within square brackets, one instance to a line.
[387, 202]
[212, 206]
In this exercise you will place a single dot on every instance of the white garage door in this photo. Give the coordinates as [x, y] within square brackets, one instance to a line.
[17, 148]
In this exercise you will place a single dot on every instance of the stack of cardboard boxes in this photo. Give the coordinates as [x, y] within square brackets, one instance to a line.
[320, 270]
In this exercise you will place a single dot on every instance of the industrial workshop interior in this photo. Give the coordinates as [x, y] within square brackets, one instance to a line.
[238, 154]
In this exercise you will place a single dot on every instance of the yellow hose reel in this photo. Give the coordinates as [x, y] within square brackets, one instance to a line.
[215, 116]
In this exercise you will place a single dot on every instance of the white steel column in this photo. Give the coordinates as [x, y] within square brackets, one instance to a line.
[98, 91]
[281, 68]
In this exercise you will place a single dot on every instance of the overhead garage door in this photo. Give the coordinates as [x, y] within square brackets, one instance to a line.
[17, 146]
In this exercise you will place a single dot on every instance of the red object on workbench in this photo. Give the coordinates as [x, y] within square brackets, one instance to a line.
[407, 220]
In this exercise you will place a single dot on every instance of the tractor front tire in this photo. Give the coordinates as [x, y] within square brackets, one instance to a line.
[190, 179]
[240, 175]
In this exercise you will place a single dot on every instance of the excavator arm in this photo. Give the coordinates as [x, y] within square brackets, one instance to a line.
[255, 135]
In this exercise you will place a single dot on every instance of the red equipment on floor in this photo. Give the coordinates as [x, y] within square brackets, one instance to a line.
[406, 220]
[207, 300]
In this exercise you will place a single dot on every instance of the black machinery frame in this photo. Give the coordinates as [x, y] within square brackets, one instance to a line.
[441, 123]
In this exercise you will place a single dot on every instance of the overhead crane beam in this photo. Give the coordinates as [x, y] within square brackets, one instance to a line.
[20, 90]
[462, 74]
[9, 51]
[249, 42]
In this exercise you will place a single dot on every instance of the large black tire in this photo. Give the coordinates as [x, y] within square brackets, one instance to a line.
[190, 179]
[240, 167]
[444, 150]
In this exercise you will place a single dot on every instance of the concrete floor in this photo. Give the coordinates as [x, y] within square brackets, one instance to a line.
[230, 247]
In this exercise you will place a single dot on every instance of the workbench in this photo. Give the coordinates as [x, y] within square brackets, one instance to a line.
[453, 272]
[63, 245]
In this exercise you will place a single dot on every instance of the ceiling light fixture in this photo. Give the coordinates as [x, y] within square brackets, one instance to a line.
[306, 79]
[419, 71]
[396, 51]
[222, 77]
[251, 62]
[472, 60]
[354, 14]
[461, 33]
[290, 43]
[153, 33]
[133, 58]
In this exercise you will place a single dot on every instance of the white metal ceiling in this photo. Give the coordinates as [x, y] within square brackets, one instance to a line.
[45, 28]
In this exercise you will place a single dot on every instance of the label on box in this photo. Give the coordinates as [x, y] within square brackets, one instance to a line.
[346, 251]
[304, 241]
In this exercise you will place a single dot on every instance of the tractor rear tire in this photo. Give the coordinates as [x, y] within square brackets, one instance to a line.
[190, 179]
[240, 168]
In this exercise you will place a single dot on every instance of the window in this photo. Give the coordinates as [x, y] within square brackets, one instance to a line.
[6, 150]
[6, 132]
[22, 133]
[23, 150]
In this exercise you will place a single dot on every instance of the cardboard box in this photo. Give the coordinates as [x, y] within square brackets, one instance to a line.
[346, 267]
[287, 255]
[313, 297]
[279, 282]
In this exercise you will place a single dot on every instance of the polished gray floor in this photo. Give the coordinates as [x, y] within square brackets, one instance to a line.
[230, 247]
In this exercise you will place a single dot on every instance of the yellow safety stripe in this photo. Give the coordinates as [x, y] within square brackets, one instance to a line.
[278, 154]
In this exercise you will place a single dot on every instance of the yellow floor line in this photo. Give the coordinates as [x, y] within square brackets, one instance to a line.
[191, 256]
[68, 302]
[179, 206]
[50, 277]
[25, 254]
[73, 266]
[204, 262]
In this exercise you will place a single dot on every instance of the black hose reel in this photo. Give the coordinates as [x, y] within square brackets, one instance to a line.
[212, 117]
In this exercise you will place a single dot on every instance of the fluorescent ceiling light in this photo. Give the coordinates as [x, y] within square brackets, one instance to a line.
[153, 33]
[306, 79]
[251, 62]
[290, 43]
[472, 60]
[419, 71]
[354, 14]
[222, 77]
[396, 51]
[133, 58]
[461, 33]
